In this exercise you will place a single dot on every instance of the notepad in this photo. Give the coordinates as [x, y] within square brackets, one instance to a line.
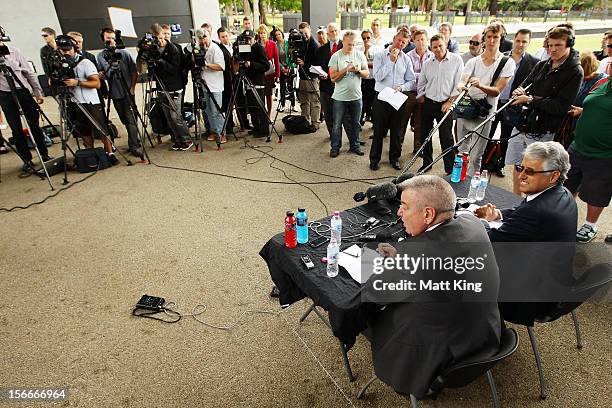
[351, 260]
[392, 97]
[315, 69]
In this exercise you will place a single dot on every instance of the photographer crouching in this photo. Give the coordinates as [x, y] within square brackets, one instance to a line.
[210, 63]
[81, 78]
[118, 68]
[255, 64]
[163, 60]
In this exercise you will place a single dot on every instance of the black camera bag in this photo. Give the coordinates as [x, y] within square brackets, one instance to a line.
[89, 160]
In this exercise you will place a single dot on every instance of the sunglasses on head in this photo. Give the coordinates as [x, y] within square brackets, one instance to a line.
[475, 43]
[528, 170]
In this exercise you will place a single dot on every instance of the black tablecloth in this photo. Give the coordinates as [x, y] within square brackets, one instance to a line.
[340, 295]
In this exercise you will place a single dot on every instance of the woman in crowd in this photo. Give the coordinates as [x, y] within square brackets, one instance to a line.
[287, 68]
[273, 74]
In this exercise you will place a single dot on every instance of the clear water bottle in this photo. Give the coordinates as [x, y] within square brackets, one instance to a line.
[302, 226]
[336, 227]
[482, 187]
[457, 167]
[333, 251]
[474, 184]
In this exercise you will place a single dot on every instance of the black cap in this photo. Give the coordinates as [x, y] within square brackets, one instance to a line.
[289, 213]
[65, 42]
[301, 209]
[248, 33]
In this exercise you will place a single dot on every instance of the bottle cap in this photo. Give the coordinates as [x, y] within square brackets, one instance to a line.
[337, 213]
[301, 210]
[289, 213]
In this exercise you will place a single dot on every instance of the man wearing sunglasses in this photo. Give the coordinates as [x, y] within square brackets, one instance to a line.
[47, 50]
[548, 213]
[605, 65]
[475, 48]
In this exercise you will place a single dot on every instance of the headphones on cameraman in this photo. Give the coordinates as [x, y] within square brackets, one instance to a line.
[65, 39]
[105, 30]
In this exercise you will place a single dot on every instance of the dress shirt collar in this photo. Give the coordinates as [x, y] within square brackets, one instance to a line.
[535, 195]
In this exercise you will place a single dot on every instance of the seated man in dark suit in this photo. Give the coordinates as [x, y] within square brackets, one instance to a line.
[549, 212]
[415, 340]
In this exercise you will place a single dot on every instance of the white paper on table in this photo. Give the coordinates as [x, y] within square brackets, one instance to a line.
[121, 19]
[393, 98]
[315, 69]
[470, 210]
[350, 259]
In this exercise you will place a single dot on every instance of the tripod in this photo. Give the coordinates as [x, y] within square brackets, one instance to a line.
[114, 72]
[199, 87]
[288, 94]
[10, 77]
[244, 84]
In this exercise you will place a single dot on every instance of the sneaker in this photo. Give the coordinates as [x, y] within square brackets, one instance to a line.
[176, 146]
[211, 137]
[3, 150]
[222, 139]
[586, 233]
[113, 159]
[186, 145]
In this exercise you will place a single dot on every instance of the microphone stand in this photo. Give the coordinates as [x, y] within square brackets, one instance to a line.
[470, 133]
[435, 128]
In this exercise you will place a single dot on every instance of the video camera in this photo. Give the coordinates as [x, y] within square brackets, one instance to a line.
[149, 48]
[297, 44]
[4, 49]
[242, 49]
[61, 67]
[197, 51]
[110, 51]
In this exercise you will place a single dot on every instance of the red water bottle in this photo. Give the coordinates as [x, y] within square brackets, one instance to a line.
[290, 230]
[466, 161]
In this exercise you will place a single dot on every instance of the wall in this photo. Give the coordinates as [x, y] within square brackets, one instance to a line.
[23, 20]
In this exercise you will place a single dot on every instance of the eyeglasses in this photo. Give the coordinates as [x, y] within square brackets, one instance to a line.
[474, 43]
[528, 170]
[609, 45]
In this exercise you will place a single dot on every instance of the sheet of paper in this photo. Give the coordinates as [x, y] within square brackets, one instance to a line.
[351, 260]
[121, 19]
[393, 98]
[315, 69]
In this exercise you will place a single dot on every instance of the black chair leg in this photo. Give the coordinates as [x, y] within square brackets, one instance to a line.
[365, 387]
[536, 353]
[413, 402]
[493, 389]
[577, 327]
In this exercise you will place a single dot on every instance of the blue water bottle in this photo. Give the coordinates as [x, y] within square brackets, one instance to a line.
[302, 226]
[457, 167]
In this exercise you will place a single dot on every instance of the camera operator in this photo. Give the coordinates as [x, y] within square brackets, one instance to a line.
[83, 89]
[226, 47]
[308, 90]
[212, 74]
[554, 85]
[166, 63]
[116, 66]
[28, 98]
[256, 64]
[78, 37]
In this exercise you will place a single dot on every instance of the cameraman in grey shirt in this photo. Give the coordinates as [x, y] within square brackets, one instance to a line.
[120, 75]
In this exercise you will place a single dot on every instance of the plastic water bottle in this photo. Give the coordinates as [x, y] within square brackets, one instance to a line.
[336, 227]
[466, 162]
[302, 226]
[290, 233]
[457, 167]
[482, 187]
[474, 187]
[333, 250]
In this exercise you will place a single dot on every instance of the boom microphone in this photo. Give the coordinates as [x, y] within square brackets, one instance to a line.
[402, 177]
[382, 191]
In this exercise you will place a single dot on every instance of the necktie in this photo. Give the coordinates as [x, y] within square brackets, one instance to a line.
[334, 48]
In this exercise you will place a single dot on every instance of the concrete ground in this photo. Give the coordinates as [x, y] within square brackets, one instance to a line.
[73, 268]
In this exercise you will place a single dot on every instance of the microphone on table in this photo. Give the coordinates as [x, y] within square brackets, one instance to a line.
[382, 191]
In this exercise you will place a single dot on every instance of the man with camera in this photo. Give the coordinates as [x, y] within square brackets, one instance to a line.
[554, 85]
[165, 60]
[211, 65]
[308, 90]
[28, 97]
[118, 68]
[83, 88]
[255, 64]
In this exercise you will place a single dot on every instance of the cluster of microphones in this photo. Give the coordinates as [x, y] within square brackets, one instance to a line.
[383, 191]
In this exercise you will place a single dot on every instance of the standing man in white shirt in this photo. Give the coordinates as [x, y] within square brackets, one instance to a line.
[437, 90]
[367, 84]
[377, 38]
[418, 56]
[605, 65]
[488, 75]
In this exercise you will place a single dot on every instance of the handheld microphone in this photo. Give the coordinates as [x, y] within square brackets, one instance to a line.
[382, 191]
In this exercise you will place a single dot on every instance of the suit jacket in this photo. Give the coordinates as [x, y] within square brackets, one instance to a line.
[413, 342]
[259, 64]
[527, 64]
[550, 217]
[227, 72]
[322, 57]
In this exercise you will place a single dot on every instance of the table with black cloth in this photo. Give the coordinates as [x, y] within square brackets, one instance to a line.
[340, 296]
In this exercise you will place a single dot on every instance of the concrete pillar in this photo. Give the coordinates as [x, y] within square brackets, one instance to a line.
[319, 12]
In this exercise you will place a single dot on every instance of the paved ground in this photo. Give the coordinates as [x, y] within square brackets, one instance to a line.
[72, 269]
